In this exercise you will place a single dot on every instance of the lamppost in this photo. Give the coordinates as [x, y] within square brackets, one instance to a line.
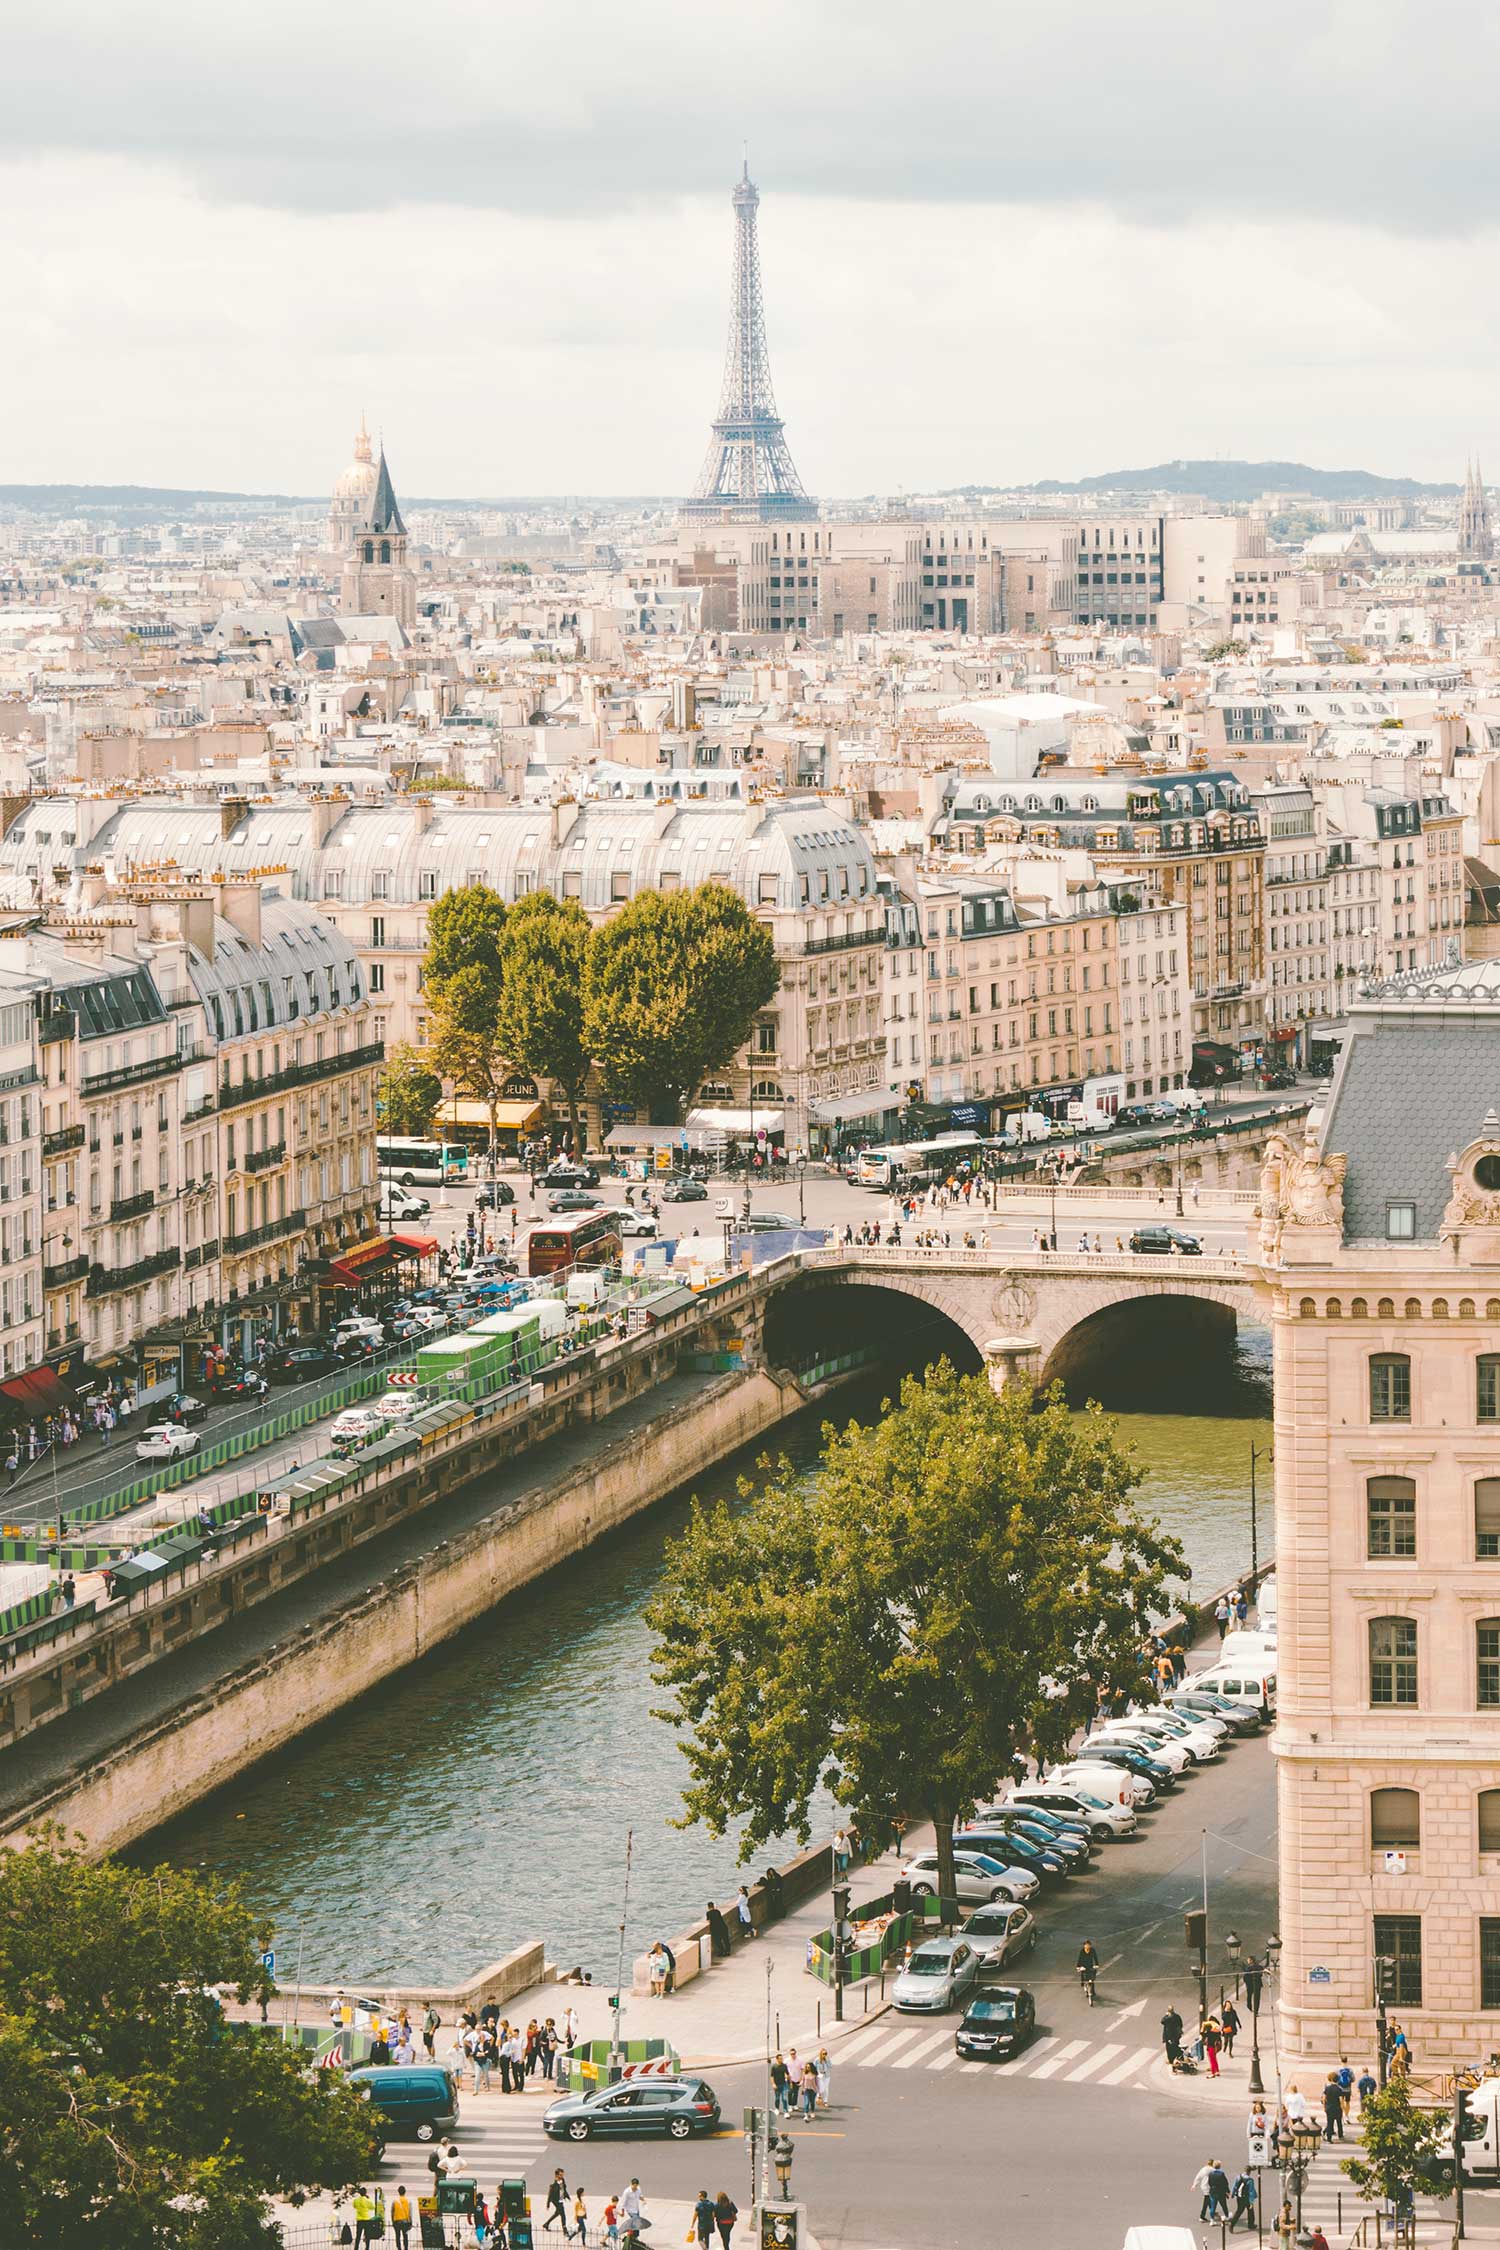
[1254, 1975]
[1257, 1453]
[1298, 2146]
[783, 2149]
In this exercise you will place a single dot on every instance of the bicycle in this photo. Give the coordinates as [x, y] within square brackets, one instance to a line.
[1088, 1978]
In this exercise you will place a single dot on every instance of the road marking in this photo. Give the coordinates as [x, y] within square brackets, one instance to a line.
[1148, 1933]
[887, 2047]
[1027, 2054]
[1109, 1964]
[863, 2041]
[1093, 2062]
[1124, 2070]
[1064, 2054]
[945, 2062]
[927, 2047]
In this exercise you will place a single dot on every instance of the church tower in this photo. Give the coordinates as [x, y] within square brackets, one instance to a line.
[1475, 540]
[375, 581]
[352, 495]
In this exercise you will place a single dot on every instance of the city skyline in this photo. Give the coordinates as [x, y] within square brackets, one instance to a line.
[981, 265]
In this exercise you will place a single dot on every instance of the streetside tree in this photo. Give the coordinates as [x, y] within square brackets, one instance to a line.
[542, 952]
[463, 983]
[410, 1093]
[958, 1574]
[134, 2114]
[672, 986]
[1407, 2149]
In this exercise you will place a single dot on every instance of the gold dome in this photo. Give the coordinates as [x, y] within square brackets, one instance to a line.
[358, 480]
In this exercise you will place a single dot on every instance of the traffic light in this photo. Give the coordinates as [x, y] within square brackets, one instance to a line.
[1385, 1979]
[1195, 1925]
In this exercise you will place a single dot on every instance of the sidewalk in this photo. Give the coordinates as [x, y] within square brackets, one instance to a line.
[721, 2017]
[671, 2223]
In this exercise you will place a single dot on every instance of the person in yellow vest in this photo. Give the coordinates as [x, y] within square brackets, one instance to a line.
[401, 2218]
[364, 2219]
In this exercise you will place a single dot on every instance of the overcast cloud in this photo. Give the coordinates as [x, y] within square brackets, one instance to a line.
[1005, 243]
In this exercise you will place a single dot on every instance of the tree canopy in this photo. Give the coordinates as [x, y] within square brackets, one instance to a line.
[410, 1092]
[463, 979]
[542, 953]
[131, 2112]
[964, 1576]
[672, 986]
[1404, 2147]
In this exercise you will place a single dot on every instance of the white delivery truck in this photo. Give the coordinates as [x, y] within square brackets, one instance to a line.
[1027, 1125]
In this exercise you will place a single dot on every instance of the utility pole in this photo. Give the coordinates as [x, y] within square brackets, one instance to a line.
[1257, 1453]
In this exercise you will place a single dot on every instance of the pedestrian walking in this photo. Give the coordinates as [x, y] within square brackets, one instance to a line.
[1218, 2191]
[580, 2216]
[1333, 2108]
[726, 2211]
[809, 2087]
[1201, 2187]
[431, 2024]
[632, 2212]
[1365, 2085]
[611, 2223]
[781, 2084]
[1229, 2026]
[703, 2219]
[742, 1907]
[1212, 2039]
[1296, 2104]
[1171, 2036]
[1245, 2196]
[1221, 1615]
[841, 1855]
[1346, 2083]
[557, 2203]
[825, 2078]
[401, 2218]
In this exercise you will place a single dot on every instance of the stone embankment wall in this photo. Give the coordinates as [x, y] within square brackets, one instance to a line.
[252, 1711]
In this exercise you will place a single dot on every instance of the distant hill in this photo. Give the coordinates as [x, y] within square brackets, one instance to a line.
[1241, 481]
[134, 499]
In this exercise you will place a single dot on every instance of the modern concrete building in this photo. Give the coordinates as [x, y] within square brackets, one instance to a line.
[1380, 1257]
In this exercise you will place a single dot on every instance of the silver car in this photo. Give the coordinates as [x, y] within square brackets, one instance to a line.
[1000, 1934]
[940, 1974]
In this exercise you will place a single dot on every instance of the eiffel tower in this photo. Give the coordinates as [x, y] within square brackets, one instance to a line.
[748, 475]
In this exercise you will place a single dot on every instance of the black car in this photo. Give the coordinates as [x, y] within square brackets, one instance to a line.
[1134, 1117]
[1015, 1850]
[684, 1191]
[1134, 1761]
[574, 1199]
[1073, 1850]
[297, 1362]
[238, 1390]
[565, 1174]
[997, 2025]
[495, 1196]
[1164, 1242]
[185, 1410]
[679, 2107]
[1241, 1718]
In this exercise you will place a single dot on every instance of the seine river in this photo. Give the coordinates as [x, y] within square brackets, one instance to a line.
[482, 1800]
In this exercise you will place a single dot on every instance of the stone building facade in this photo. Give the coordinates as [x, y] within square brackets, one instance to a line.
[1380, 1254]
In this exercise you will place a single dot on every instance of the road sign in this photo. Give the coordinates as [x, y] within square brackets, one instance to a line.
[1320, 1976]
[268, 1963]
[1259, 2148]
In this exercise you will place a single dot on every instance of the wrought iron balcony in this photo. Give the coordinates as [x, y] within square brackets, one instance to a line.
[65, 1137]
[262, 1159]
[108, 1281]
[62, 1276]
[294, 1222]
[234, 1093]
[132, 1206]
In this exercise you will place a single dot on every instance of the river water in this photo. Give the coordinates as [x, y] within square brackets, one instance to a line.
[482, 1800]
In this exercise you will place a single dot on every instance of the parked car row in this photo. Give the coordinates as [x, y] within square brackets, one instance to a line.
[1041, 1835]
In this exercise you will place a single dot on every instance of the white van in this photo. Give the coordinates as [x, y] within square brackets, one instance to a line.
[1265, 1605]
[1160, 2238]
[1481, 2143]
[1253, 1683]
[1247, 1648]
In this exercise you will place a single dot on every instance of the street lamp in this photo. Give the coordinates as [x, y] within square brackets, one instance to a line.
[783, 2149]
[1273, 1953]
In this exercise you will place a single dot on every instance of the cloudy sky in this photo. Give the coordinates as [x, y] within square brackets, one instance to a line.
[999, 241]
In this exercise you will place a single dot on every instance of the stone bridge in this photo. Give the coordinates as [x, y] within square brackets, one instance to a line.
[1037, 1315]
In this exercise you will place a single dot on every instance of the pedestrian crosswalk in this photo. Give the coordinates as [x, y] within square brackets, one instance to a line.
[892, 2044]
[499, 2137]
[1331, 2201]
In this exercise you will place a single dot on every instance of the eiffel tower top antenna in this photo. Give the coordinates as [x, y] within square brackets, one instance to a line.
[747, 474]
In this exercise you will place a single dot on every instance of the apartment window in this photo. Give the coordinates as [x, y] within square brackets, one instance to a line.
[377, 976]
[377, 929]
[380, 883]
[1487, 1660]
[1489, 1820]
[1400, 1220]
[1390, 1516]
[1390, 1387]
[1393, 1660]
[1489, 1962]
[427, 884]
[333, 882]
[1398, 1938]
[1487, 1387]
[1487, 1519]
[1395, 1820]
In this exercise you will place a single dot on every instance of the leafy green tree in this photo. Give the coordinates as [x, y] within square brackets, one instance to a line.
[1405, 2147]
[134, 2114]
[964, 1576]
[672, 986]
[410, 1092]
[542, 954]
[463, 981]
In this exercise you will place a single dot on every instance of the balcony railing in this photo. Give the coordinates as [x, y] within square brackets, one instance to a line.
[62, 1276]
[60, 1024]
[233, 1094]
[201, 1254]
[262, 1159]
[273, 1231]
[205, 1108]
[65, 1137]
[842, 944]
[132, 1206]
[136, 1073]
[108, 1281]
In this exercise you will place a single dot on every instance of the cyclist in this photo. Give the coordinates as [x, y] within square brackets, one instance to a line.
[1088, 1968]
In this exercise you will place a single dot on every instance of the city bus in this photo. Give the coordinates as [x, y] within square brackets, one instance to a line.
[576, 1238]
[906, 1166]
[428, 1161]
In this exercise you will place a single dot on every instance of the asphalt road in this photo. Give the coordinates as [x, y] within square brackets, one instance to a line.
[917, 2153]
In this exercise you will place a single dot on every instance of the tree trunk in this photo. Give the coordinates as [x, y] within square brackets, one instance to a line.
[575, 1133]
[941, 1815]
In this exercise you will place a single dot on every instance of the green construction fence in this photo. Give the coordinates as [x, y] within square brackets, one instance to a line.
[902, 1930]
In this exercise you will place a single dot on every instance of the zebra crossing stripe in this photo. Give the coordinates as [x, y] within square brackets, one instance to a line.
[927, 2047]
[1127, 2069]
[1093, 2062]
[1064, 2054]
[859, 2046]
[888, 2047]
[1027, 2054]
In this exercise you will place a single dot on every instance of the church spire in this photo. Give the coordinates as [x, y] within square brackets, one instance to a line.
[1475, 538]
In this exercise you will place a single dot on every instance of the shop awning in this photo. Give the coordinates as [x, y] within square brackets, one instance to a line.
[365, 1261]
[737, 1120]
[510, 1117]
[39, 1386]
[874, 1102]
[413, 1245]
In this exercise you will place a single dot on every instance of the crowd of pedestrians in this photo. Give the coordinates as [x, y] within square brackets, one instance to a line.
[99, 1416]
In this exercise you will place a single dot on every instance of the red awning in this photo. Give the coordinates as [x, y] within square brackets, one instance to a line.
[414, 1245]
[367, 1267]
[39, 1386]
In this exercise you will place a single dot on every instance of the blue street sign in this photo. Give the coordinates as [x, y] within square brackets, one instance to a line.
[268, 1963]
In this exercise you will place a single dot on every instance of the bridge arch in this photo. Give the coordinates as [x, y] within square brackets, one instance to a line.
[821, 1315]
